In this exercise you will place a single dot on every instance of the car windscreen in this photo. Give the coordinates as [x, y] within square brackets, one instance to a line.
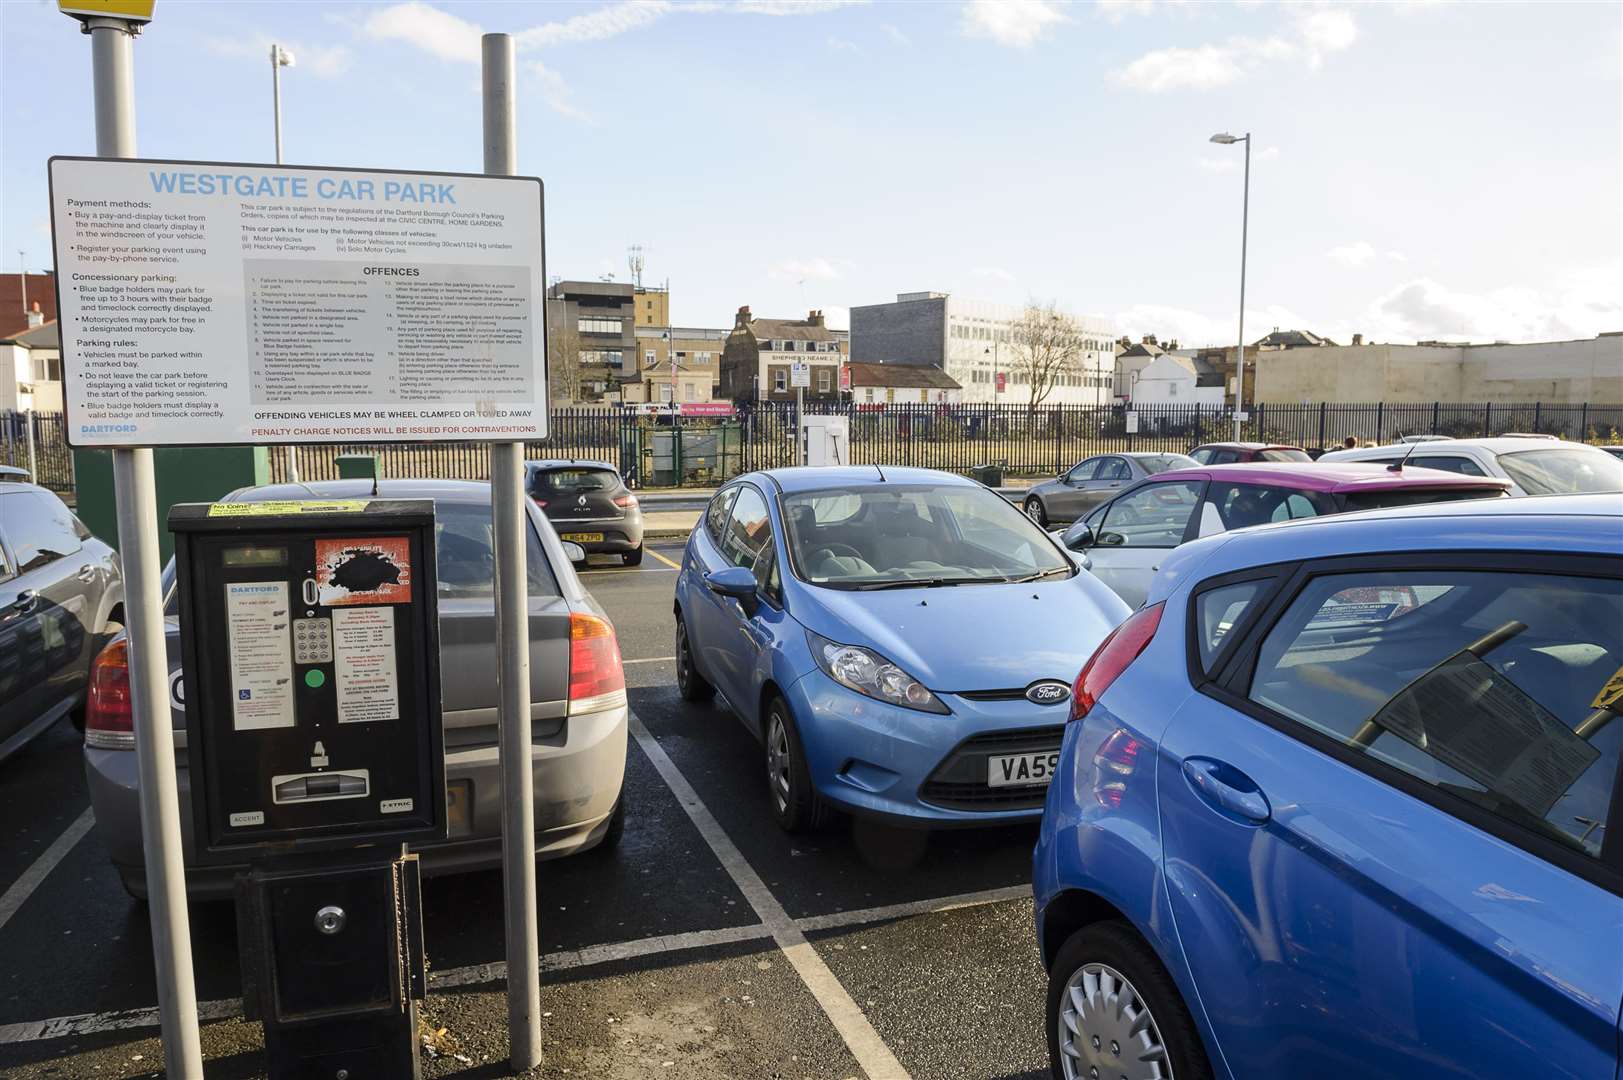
[464, 559]
[1380, 500]
[896, 536]
[1160, 463]
[1559, 471]
[1283, 455]
[574, 481]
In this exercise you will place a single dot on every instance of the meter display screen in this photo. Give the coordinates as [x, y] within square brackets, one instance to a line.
[247, 556]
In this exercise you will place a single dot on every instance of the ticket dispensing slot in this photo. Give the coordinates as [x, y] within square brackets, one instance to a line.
[314, 787]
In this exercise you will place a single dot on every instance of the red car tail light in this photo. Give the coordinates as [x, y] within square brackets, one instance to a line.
[594, 661]
[1119, 649]
[1116, 760]
[109, 720]
[626, 501]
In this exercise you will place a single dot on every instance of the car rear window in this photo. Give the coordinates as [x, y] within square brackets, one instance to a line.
[1162, 462]
[1380, 500]
[575, 481]
[1500, 688]
[1558, 471]
[1283, 455]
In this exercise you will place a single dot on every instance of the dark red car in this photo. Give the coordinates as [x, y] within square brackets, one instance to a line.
[1241, 453]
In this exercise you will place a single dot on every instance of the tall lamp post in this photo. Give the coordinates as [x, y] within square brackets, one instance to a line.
[1225, 139]
[279, 59]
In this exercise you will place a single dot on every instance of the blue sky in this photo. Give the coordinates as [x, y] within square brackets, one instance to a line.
[1420, 170]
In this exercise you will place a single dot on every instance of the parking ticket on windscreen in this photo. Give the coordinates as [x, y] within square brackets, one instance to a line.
[257, 616]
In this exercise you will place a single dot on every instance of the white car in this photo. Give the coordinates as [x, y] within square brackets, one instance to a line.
[1533, 466]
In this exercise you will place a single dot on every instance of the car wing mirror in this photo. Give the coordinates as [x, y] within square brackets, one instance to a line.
[734, 581]
[1079, 537]
[573, 552]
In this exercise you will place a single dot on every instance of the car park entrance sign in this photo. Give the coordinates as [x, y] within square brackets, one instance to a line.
[209, 304]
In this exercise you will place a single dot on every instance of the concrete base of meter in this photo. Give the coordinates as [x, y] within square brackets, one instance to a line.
[333, 965]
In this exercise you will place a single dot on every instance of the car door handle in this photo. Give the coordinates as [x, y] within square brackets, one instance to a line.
[27, 600]
[86, 574]
[1227, 789]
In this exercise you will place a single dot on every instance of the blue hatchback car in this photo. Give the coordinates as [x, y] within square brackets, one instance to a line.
[1342, 800]
[901, 641]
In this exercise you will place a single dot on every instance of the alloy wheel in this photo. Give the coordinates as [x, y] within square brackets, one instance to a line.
[777, 760]
[684, 661]
[1034, 511]
[1106, 1031]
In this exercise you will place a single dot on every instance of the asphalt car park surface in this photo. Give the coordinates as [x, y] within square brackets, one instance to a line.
[707, 944]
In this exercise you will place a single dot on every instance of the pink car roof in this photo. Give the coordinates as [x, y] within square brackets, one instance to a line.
[1334, 476]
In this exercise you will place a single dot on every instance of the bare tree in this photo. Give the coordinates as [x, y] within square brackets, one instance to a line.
[563, 363]
[1047, 347]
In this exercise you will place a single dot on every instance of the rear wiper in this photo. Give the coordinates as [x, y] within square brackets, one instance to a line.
[1039, 575]
[928, 583]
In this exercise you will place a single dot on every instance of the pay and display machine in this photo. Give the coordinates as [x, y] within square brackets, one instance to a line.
[309, 636]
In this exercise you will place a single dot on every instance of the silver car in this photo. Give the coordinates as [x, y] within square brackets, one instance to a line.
[579, 750]
[1085, 485]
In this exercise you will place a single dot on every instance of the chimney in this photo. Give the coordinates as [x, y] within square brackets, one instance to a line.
[1149, 339]
[1358, 339]
[744, 318]
[1172, 346]
[815, 318]
[36, 317]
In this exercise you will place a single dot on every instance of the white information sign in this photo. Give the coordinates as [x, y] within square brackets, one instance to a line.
[256, 615]
[1132, 423]
[799, 373]
[364, 664]
[217, 304]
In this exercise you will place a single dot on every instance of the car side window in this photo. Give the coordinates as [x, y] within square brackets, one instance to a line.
[1113, 468]
[1450, 463]
[1217, 611]
[1500, 688]
[767, 579]
[715, 517]
[1084, 471]
[39, 528]
[1223, 457]
[1203, 455]
[1154, 516]
[749, 530]
[1242, 505]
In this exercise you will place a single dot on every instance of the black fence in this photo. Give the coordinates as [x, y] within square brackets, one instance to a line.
[1024, 441]
[46, 456]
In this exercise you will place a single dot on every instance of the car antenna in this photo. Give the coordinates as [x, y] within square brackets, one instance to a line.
[1397, 466]
[881, 473]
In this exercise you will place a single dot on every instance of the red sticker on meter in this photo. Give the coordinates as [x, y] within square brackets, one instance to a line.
[375, 571]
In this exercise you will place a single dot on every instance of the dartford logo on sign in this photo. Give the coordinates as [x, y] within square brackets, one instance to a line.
[1050, 692]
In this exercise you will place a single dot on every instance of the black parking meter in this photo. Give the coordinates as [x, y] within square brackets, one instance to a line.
[310, 649]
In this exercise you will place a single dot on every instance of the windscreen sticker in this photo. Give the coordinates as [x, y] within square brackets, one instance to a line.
[288, 506]
[1611, 695]
[364, 665]
[367, 571]
[261, 655]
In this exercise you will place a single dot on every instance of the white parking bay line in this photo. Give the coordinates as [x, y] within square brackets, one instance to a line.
[24, 886]
[651, 660]
[863, 916]
[860, 1037]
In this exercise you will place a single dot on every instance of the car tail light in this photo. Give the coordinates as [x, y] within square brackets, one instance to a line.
[1116, 760]
[539, 502]
[1119, 649]
[627, 501]
[594, 662]
[109, 720]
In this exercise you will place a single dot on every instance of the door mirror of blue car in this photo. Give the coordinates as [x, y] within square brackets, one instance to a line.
[734, 581]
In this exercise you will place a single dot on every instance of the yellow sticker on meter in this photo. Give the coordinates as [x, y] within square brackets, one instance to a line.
[1611, 695]
[288, 506]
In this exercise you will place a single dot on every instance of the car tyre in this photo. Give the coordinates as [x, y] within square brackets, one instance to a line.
[617, 825]
[795, 804]
[634, 558]
[1113, 1010]
[1035, 511]
[689, 683]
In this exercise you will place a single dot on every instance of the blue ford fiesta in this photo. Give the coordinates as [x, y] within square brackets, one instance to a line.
[1345, 799]
[901, 641]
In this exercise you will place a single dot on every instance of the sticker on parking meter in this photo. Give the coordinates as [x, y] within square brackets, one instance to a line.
[374, 571]
[261, 655]
[364, 665]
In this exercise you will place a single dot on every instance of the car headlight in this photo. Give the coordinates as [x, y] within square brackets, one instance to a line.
[871, 675]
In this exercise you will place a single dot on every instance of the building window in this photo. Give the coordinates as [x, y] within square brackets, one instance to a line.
[648, 357]
[614, 358]
[680, 356]
[787, 346]
[823, 377]
[780, 382]
[593, 325]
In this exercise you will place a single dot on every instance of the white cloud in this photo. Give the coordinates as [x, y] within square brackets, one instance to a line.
[839, 44]
[1267, 153]
[606, 22]
[994, 273]
[792, 7]
[322, 61]
[1016, 23]
[816, 269]
[556, 93]
[1397, 256]
[895, 34]
[1117, 10]
[1584, 304]
[428, 28]
[1310, 36]
[1220, 165]
[1194, 329]
[1355, 254]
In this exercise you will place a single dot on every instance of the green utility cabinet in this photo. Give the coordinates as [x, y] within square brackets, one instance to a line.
[184, 475]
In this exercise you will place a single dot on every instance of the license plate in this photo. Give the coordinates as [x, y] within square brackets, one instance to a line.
[458, 796]
[582, 538]
[1022, 770]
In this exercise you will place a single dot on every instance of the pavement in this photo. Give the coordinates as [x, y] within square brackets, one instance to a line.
[707, 944]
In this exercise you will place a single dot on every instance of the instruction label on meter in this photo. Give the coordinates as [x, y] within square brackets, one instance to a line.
[364, 663]
[261, 657]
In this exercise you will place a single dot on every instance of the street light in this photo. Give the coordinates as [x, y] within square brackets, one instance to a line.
[279, 58]
[1225, 139]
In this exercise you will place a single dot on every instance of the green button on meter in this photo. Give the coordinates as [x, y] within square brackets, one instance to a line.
[315, 677]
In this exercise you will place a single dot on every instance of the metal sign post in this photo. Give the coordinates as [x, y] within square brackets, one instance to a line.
[800, 378]
[513, 633]
[112, 62]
